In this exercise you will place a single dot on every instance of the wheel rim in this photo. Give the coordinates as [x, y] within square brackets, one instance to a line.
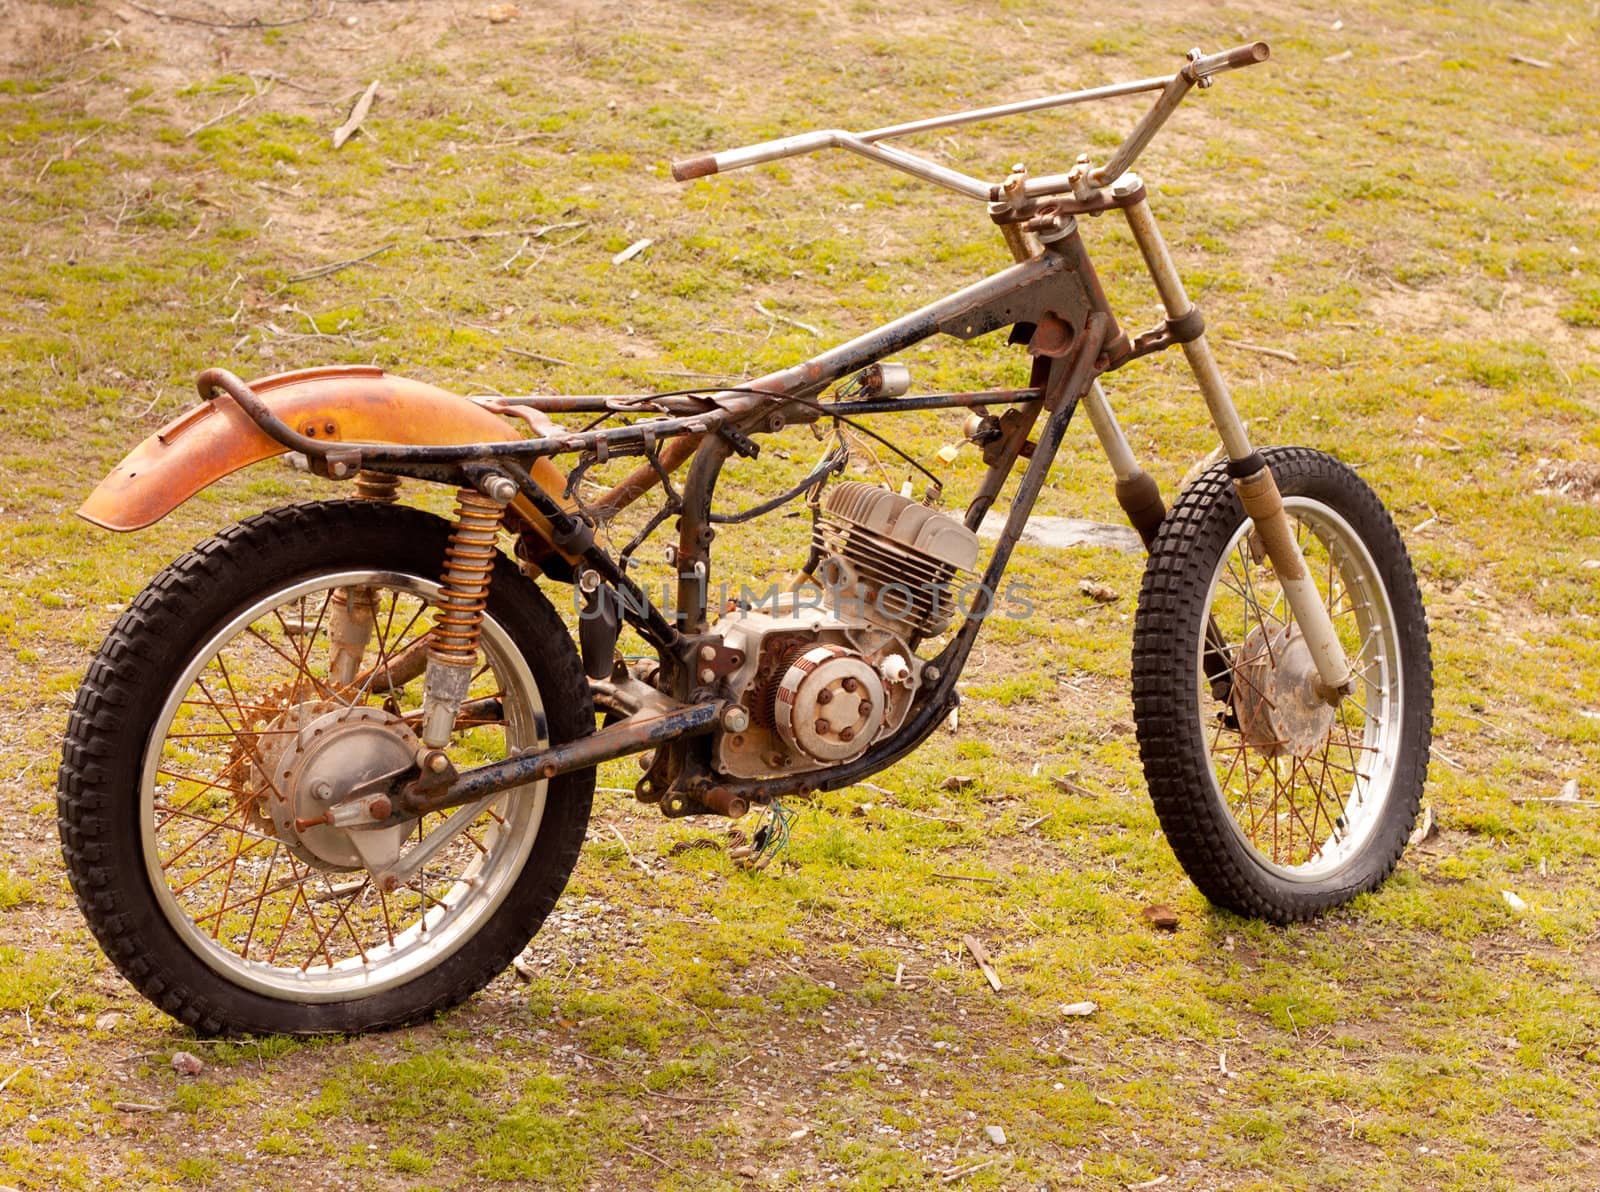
[1303, 795]
[262, 914]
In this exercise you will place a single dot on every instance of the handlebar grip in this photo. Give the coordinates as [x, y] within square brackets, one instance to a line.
[698, 166]
[1239, 56]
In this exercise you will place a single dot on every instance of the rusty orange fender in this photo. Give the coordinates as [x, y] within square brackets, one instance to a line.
[353, 403]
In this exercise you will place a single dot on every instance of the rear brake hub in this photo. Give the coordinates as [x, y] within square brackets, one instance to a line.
[1277, 694]
[327, 751]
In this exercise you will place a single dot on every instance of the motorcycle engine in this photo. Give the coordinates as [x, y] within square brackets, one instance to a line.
[829, 670]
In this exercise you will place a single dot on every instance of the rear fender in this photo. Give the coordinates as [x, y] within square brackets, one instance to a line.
[354, 403]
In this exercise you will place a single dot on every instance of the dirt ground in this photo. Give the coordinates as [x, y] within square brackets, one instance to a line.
[1400, 206]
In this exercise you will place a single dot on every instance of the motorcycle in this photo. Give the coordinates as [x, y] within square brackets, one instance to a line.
[332, 769]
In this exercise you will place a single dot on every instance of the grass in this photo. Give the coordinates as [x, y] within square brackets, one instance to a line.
[1414, 222]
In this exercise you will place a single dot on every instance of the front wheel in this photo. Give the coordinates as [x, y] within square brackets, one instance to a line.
[1278, 804]
[268, 667]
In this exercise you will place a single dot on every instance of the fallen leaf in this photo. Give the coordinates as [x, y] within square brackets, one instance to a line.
[958, 782]
[1098, 592]
[1426, 827]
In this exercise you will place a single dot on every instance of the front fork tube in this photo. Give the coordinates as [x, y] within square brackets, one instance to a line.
[1252, 479]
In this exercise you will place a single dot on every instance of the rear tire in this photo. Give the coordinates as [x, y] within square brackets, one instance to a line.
[214, 686]
[1270, 817]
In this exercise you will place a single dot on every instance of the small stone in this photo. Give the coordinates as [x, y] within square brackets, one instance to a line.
[749, 1171]
[996, 1134]
[1161, 916]
[1513, 901]
[187, 1063]
[1079, 1009]
[958, 782]
[107, 1021]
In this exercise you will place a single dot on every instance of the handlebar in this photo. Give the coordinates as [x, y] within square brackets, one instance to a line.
[1198, 71]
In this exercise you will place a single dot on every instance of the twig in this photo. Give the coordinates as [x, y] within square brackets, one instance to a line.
[1445, 758]
[1527, 61]
[13, 1076]
[546, 360]
[336, 266]
[960, 877]
[949, 1177]
[649, 1155]
[786, 319]
[1275, 353]
[137, 1107]
[633, 250]
[252, 23]
[543, 230]
[64, 155]
[233, 111]
[1034, 823]
[981, 955]
[617, 832]
[512, 259]
[357, 114]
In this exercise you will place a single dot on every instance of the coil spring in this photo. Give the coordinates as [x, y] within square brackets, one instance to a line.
[377, 486]
[468, 563]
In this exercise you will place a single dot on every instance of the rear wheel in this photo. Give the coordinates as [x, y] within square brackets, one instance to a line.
[1277, 803]
[221, 712]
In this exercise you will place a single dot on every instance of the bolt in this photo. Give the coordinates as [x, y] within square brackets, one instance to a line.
[708, 653]
[707, 675]
[548, 770]
[847, 734]
[823, 727]
[736, 720]
[931, 673]
[379, 808]
[825, 696]
[1126, 185]
[500, 489]
[776, 759]
[322, 791]
[849, 683]
[438, 762]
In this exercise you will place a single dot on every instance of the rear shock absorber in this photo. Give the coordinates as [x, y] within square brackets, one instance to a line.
[453, 648]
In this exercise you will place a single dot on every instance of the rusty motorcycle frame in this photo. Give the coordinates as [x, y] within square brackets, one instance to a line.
[1281, 661]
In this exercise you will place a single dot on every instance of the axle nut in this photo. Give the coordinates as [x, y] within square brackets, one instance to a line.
[735, 720]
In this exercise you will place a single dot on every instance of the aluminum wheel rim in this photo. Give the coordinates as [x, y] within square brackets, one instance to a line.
[451, 913]
[1306, 819]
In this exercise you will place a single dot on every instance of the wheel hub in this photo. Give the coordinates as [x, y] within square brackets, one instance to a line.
[1277, 696]
[327, 751]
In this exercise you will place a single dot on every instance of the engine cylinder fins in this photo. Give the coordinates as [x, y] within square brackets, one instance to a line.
[937, 536]
[901, 557]
[829, 704]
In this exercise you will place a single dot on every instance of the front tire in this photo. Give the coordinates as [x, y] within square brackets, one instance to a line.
[1276, 805]
[215, 693]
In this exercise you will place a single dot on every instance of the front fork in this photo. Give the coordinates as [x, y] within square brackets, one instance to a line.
[1137, 492]
[1252, 479]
